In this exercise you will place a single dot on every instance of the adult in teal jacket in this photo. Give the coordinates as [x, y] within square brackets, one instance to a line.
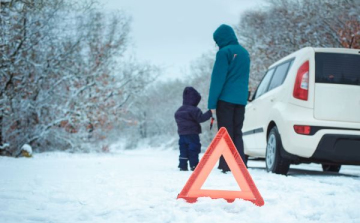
[229, 87]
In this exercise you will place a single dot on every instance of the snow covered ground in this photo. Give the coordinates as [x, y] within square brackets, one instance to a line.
[142, 185]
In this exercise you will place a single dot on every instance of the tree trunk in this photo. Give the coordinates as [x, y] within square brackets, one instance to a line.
[1, 128]
[143, 125]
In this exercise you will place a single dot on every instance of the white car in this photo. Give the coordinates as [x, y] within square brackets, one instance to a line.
[307, 109]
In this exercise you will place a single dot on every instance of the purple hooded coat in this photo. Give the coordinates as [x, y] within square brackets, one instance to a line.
[188, 117]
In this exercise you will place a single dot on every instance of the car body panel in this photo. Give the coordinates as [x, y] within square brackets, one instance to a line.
[280, 108]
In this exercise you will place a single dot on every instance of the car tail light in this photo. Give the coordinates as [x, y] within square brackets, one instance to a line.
[302, 129]
[301, 88]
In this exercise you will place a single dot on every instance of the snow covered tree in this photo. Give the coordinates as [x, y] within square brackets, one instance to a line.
[284, 26]
[154, 109]
[26, 28]
[64, 79]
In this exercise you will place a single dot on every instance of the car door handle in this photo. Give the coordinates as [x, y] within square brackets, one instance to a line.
[272, 99]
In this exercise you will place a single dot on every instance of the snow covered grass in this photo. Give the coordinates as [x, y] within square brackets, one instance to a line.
[142, 185]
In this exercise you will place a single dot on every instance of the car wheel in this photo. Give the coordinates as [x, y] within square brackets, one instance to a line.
[331, 168]
[274, 162]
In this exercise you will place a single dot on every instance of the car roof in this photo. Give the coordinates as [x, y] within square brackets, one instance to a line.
[312, 50]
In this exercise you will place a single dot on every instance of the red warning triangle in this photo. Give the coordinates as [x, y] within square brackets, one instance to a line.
[221, 145]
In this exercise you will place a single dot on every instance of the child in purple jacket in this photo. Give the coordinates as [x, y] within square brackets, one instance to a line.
[188, 118]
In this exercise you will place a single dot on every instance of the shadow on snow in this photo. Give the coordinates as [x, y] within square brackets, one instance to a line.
[304, 172]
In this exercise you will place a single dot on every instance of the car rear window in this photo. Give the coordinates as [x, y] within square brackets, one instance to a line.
[335, 68]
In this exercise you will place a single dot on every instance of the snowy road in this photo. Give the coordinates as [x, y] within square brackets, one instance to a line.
[141, 186]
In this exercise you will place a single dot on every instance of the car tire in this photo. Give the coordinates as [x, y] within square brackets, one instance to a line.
[274, 162]
[331, 168]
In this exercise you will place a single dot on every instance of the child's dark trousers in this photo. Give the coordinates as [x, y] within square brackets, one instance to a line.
[189, 151]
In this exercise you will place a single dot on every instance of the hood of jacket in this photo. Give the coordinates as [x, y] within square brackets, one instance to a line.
[191, 96]
[224, 36]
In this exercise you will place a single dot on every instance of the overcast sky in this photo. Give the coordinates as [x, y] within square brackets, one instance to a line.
[172, 33]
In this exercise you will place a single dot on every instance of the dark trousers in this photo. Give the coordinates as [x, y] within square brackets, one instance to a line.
[190, 147]
[231, 116]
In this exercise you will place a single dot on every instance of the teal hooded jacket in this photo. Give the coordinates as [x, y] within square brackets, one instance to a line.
[230, 75]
